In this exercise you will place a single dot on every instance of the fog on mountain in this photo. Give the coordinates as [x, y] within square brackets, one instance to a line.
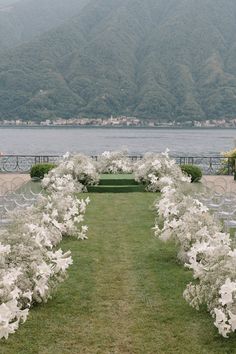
[165, 59]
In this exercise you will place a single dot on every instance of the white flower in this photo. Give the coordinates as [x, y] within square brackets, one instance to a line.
[232, 321]
[15, 293]
[226, 292]
[4, 249]
[220, 322]
[10, 277]
[44, 269]
[41, 286]
[62, 261]
[66, 156]
[5, 318]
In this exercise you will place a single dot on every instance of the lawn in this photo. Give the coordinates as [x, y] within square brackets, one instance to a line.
[123, 294]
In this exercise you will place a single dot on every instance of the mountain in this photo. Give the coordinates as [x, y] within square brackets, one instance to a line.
[23, 20]
[165, 59]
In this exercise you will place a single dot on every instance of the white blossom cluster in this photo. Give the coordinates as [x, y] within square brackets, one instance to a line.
[114, 162]
[204, 249]
[31, 266]
[158, 170]
[73, 172]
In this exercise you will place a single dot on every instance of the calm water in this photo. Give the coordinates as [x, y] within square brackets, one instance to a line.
[185, 142]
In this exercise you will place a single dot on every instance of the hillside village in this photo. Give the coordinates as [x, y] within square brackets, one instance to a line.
[120, 122]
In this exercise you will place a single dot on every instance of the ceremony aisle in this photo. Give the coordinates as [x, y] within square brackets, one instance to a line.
[123, 294]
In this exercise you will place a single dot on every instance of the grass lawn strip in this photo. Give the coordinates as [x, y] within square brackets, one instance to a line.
[123, 294]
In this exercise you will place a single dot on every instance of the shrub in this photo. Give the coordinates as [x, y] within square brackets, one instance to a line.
[41, 169]
[192, 171]
[229, 162]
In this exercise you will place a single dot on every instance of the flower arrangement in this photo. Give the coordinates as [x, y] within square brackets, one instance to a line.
[30, 268]
[158, 170]
[204, 249]
[79, 171]
[31, 265]
[114, 162]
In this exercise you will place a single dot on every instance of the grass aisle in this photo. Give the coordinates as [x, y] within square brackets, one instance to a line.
[123, 294]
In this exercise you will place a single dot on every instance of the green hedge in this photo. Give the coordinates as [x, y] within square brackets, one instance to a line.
[192, 171]
[41, 169]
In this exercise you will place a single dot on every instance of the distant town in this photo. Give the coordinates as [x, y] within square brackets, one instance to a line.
[120, 122]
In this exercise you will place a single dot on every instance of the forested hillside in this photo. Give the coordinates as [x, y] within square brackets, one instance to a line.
[165, 59]
[23, 20]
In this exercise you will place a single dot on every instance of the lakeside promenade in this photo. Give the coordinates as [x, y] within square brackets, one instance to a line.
[214, 182]
[11, 181]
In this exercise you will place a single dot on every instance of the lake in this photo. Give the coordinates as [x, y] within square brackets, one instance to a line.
[50, 141]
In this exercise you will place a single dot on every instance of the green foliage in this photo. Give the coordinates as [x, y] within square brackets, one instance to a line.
[228, 164]
[139, 58]
[230, 157]
[192, 171]
[41, 169]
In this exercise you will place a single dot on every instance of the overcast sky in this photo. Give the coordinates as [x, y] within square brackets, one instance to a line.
[8, 2]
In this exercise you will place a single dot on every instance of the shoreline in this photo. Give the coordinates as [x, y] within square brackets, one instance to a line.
[113, 127]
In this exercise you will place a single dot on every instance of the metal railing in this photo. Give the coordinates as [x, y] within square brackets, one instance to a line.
[23, 163]
[210, 165]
